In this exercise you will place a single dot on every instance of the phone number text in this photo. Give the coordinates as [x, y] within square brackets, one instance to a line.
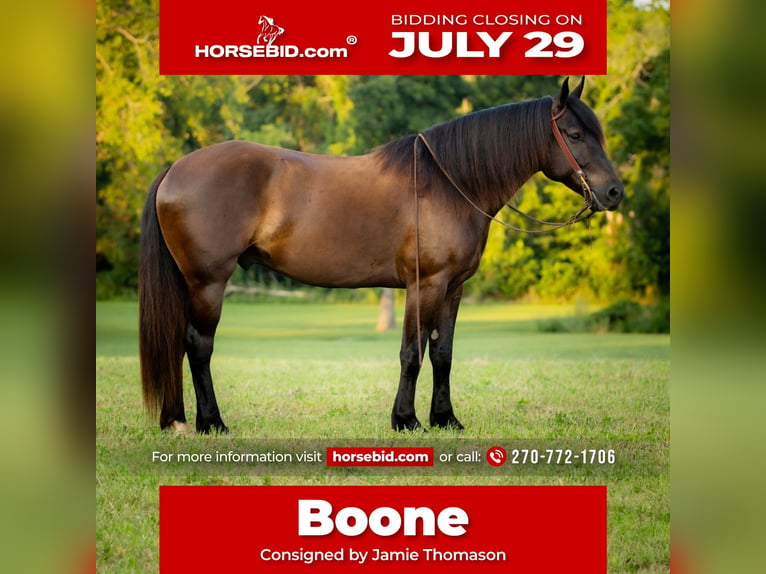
[562, 456]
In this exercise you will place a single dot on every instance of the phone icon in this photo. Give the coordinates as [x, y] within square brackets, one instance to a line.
[496, 456]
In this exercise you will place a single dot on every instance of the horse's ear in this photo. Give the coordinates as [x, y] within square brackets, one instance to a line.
[577, 92]
[561, 100]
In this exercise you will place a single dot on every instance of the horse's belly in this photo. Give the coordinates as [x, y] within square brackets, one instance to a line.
[329, 264]
[344, 277]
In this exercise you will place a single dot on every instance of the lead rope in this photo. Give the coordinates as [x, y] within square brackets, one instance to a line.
[417, 249]
[577, 217]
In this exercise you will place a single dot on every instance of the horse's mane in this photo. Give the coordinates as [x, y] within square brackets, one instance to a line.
[487, 152]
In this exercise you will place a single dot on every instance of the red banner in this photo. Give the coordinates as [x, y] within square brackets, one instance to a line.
[399, 37]
[446, 529]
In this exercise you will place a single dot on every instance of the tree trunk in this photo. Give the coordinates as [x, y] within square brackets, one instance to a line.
[386, 317]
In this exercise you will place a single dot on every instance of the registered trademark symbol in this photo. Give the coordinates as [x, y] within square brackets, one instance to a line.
[351, 40]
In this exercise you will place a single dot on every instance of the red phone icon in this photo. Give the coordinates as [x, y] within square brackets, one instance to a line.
[496, 456]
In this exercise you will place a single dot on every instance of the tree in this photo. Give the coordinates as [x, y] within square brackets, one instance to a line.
[634, 99]
[388, 107]
[129, 143]
[621, 253]
[386, 315]
[144, 122]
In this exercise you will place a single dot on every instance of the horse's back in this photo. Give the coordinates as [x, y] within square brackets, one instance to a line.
[226, 165]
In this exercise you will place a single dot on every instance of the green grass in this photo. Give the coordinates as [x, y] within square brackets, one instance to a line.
[298, 375]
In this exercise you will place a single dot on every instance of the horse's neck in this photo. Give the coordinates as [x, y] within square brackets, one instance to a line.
[496, 200]
[507, 166]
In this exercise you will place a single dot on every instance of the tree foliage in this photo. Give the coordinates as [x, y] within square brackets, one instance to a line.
[146, 121]
[622, 253]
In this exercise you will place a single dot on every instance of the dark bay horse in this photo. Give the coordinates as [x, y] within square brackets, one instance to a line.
[348, 222]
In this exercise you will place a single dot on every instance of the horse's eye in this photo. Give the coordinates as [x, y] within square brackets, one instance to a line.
[575, 137]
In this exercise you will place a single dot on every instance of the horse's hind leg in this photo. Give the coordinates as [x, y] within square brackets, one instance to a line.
[206, 303]
[440, 353]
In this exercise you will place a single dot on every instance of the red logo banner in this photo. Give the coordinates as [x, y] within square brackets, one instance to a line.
[399, 37]
[541, 529]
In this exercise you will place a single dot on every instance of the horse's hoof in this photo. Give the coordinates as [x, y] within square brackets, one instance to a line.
[405, 424]
[204, 427]
[180, 428]
[446, 422]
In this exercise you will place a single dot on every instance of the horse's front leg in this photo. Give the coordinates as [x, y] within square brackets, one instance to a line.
[440, 353]
[431, 293]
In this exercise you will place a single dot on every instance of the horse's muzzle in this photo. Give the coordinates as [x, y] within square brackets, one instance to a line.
[610, 200]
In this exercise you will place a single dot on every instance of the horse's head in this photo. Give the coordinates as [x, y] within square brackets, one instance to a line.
[576, 154]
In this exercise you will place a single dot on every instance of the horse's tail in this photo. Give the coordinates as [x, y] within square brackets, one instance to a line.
[163, 311]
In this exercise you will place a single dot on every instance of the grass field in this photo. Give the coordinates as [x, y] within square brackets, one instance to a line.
[317, 374]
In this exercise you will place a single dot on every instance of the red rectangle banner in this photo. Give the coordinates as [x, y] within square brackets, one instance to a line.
[398, 37]
[380, 456]
[449, 529]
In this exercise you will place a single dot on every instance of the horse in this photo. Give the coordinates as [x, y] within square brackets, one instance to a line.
[269, 30]
[413, 214]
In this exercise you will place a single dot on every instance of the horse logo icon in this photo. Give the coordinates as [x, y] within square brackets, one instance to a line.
[269, 30]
